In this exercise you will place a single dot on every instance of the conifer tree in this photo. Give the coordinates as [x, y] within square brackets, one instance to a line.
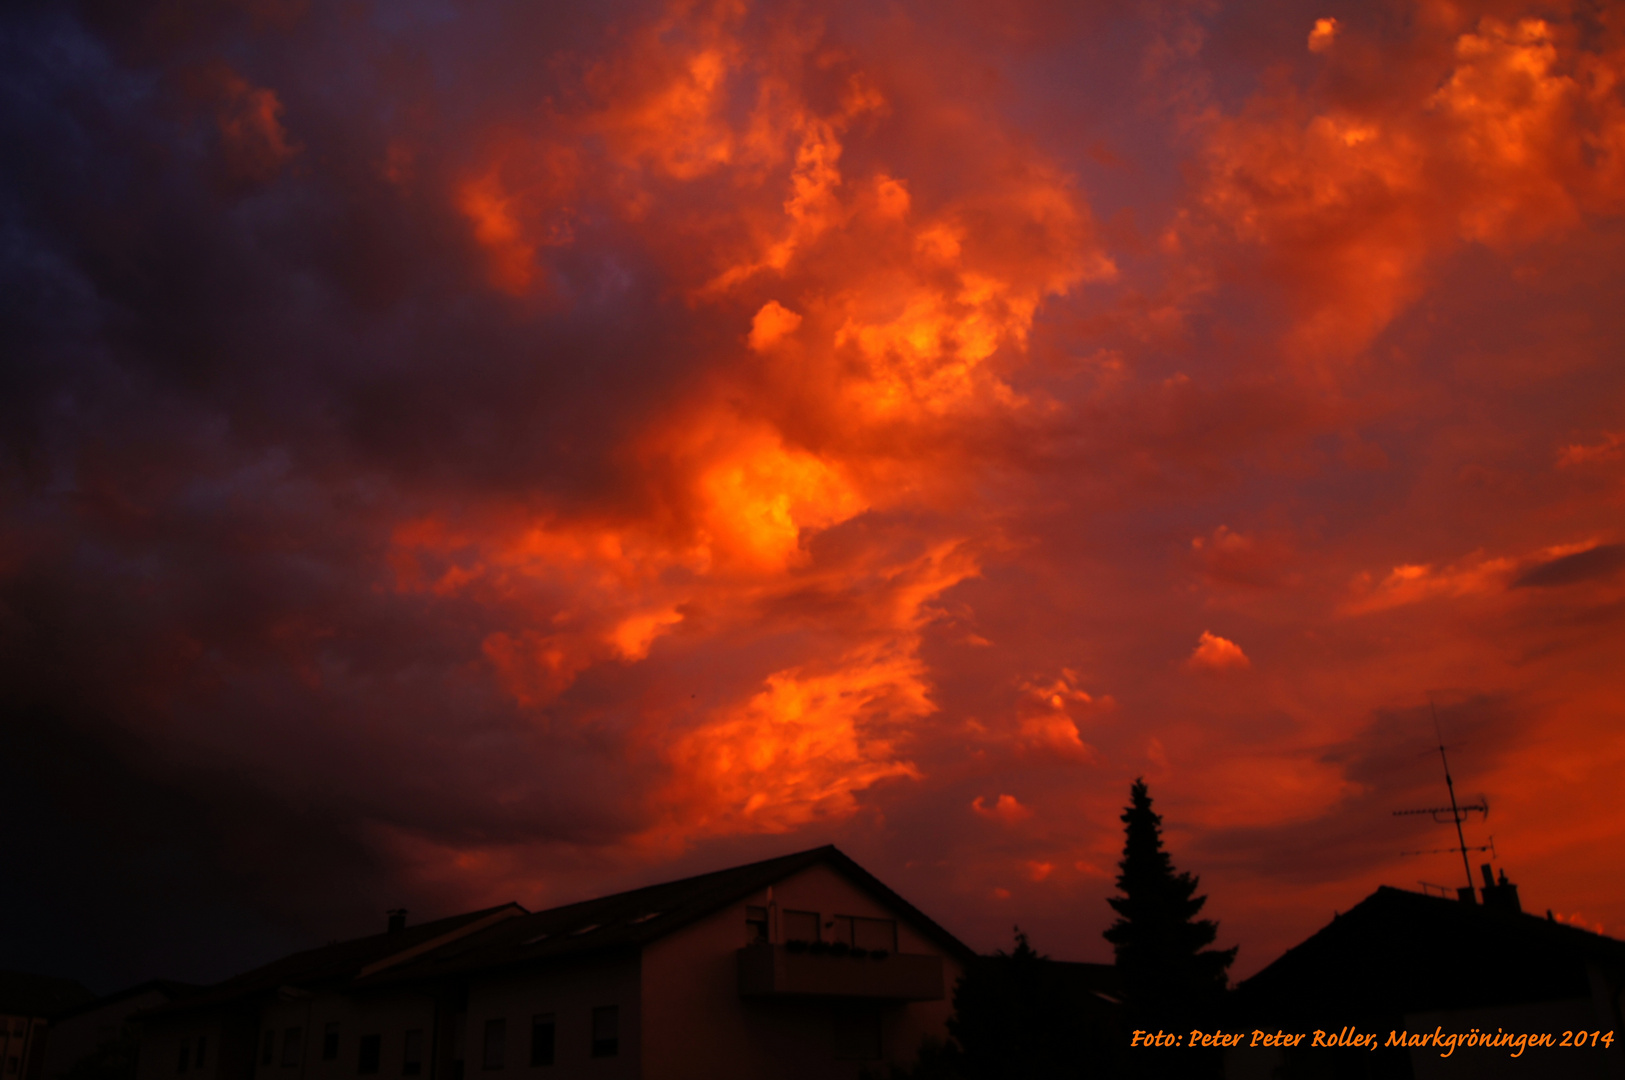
[1170, 976]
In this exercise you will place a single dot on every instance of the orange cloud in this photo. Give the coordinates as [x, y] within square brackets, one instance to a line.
[1322, 35]
[1413, 583]
[1006, 810]
[1349, 200]
[771, 325]
[1216, 654]
[1611, 448]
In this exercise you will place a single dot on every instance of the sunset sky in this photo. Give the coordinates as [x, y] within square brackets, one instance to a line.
[454, 453]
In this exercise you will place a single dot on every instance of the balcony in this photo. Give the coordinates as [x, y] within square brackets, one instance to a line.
[769, 971]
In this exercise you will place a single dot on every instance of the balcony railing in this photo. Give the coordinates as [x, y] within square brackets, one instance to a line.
[775, 971]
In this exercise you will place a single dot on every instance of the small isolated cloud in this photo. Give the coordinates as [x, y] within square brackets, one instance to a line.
[1611, 448]
[1227, 557]
[1006, 809]
[1322, 36]
[1038, 871]
[1216, 654]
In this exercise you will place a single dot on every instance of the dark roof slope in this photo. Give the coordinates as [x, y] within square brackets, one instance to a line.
[23, 993]
[170, 988]
[632, 919]
[340, 962]
[1400, 952]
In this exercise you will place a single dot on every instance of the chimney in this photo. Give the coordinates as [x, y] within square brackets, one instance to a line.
[1502, 895]
[397, 916]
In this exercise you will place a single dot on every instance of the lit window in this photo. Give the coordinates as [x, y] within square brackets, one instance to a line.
[293, 1040]
[412, 1053]
[370, 1051]
[496, 1043]
[801, 926]
[541, 1039]
[330, 1041]
[606, 1031]
[755, 925]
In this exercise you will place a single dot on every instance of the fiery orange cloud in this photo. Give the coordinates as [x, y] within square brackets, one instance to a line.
[1322, 36]
[656, 439]
[1006, 809]
[1215, 654]
[1353, 201]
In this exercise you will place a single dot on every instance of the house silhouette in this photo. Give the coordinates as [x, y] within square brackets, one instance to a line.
[800, 966]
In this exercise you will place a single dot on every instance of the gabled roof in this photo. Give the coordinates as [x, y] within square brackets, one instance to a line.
[633, 919]
[23, 993]
[170, 988]
[342, 962]
[1401, 952]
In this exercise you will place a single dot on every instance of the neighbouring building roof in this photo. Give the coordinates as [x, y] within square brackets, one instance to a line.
[508, 935]
[25, 994]
[1399, 952]
[633, 919]
[169, 988]
[340, 963]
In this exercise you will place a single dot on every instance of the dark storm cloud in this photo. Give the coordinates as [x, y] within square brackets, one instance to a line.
[1602, 561]
[235, 355]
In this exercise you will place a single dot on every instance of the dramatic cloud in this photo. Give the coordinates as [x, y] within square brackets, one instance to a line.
[451, 455]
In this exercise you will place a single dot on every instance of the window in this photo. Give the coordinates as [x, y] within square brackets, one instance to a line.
[801, 926]
[857, 1035]
[330, 1041]
[541, 1039]
[496, 1043]
[370, 1050]
[840, 929]
[875, 934]
[186, 1056]
[293, 1040]
[202, 1043]
[606, 1031]
[755, 925]
[412, 1053]
[268, 1048]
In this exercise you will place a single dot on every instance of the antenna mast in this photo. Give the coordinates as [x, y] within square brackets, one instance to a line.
[1458, 813]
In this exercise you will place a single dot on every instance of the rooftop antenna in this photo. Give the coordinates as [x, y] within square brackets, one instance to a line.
[1458, 813]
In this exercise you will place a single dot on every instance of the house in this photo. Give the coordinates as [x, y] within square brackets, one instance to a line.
[28, 1004]
[98, 1038]
[803, 966]
[1420, 965]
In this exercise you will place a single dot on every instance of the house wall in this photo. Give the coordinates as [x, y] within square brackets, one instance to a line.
[389, 1016]
[569, 992]
[696, 1026]
[21, 1040]
[79, 1036]
[163, 1041]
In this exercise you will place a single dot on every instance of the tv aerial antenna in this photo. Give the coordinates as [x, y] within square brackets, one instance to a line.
[1458, 813]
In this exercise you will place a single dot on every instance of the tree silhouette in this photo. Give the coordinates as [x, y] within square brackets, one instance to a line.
[1170, 978]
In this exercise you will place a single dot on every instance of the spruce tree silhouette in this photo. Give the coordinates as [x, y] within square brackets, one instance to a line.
[1170, 978]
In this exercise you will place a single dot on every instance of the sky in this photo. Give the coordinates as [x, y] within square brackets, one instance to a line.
[462, 453]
